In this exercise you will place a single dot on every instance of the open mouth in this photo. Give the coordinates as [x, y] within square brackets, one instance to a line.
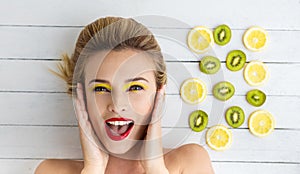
[118, 128]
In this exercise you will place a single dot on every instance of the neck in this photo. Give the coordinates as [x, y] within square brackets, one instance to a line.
[116, 164]
[128, 162]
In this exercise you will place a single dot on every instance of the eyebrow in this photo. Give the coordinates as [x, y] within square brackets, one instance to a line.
[136, 79]
[128, 80]
[99, 81]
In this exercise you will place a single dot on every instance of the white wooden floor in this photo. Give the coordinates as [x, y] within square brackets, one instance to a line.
[36, 116]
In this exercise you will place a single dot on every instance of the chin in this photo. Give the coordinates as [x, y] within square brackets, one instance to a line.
[127, 147]
[124, 149]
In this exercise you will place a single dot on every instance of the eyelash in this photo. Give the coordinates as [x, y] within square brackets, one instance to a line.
[101, 89]
[135, 88]
[132, 88]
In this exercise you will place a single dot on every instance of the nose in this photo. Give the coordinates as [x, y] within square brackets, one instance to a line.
[118, 104]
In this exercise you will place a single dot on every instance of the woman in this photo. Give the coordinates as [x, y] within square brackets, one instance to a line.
[118, 85]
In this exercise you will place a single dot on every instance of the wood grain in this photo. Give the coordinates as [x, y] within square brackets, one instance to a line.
[278, 14]
[37, 120]
[51, 42]
[56, 109]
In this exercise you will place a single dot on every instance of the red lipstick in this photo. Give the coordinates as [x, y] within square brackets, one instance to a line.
[118, 128]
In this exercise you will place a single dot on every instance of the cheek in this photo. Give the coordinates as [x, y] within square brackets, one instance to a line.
[142, 104]
[96, 106]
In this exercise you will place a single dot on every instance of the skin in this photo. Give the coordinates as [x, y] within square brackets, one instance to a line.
[141, 105]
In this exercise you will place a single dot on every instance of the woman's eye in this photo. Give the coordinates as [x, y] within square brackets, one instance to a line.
[135, 88]
[101, 89]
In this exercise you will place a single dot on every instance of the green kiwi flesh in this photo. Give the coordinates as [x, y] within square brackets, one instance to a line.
[198, 120]
[256, 97]
[210, 65]
[223, 90]
[222, 35]
[235, 116]
[235, 60]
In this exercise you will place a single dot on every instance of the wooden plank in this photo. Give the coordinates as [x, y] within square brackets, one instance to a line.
[177, 112]
[34, 76]
[29, 76]
[280, 146]
[282, 15]
[36, 109]
[38, 42]
[63, 142]
[287, 73]
[39, 142]
[57, 109]
[50, 43]
[250, 168]
[28, 166]
[14, 166]
[280, 47]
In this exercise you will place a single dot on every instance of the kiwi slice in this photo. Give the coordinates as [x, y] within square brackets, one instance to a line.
[222, 34]
[198, 120]
[256, 97]
[235, 116]
[223, 90]
[235, 60]
[210, 65]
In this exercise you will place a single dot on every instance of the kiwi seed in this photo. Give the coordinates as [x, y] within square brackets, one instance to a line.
[235, 60]
[198, 120]
[256, 97]
[223, 90]
[235, 116]
[210, 65]
[222, 34]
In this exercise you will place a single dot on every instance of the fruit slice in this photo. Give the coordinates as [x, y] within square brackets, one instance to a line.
[261, 123]
[256, 73]
[219, 137]
[210, 65]
[256, 97]
[198, 120]
[200, 39]
[222, 34]
[235, 60]
[193, 91]
[223, 90]
[235, 116]
[255, 38]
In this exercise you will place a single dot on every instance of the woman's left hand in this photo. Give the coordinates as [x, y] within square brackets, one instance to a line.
[153, 157]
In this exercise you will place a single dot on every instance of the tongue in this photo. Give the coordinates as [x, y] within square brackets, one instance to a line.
[119, 130]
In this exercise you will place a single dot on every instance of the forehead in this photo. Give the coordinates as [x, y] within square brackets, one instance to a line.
[123, 64]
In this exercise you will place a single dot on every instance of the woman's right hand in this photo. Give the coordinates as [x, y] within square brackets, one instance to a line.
[95, 160]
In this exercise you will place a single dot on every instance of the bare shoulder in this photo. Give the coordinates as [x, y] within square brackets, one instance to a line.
[189, 158]
[59, 166]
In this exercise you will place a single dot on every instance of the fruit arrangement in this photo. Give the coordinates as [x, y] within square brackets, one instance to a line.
[193, 91]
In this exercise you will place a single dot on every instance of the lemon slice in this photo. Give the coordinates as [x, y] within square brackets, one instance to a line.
[261, 123]
[193, 91]
[255, 38]
[256, 73]
[200, 39]
[219, 137]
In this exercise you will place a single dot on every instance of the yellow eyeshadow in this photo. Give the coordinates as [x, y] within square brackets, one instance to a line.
[128, 85]
[104, 85]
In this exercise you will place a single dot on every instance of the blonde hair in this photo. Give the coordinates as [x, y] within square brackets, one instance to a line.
[110, 33]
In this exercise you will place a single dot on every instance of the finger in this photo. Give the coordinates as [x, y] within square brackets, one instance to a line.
[81, 113]
[86, 132]
[158, 105]
[154, 128]
[80, 96]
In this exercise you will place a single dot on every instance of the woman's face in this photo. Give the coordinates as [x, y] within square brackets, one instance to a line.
[120, 92]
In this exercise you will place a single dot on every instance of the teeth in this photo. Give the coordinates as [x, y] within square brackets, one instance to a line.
[119, 123]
